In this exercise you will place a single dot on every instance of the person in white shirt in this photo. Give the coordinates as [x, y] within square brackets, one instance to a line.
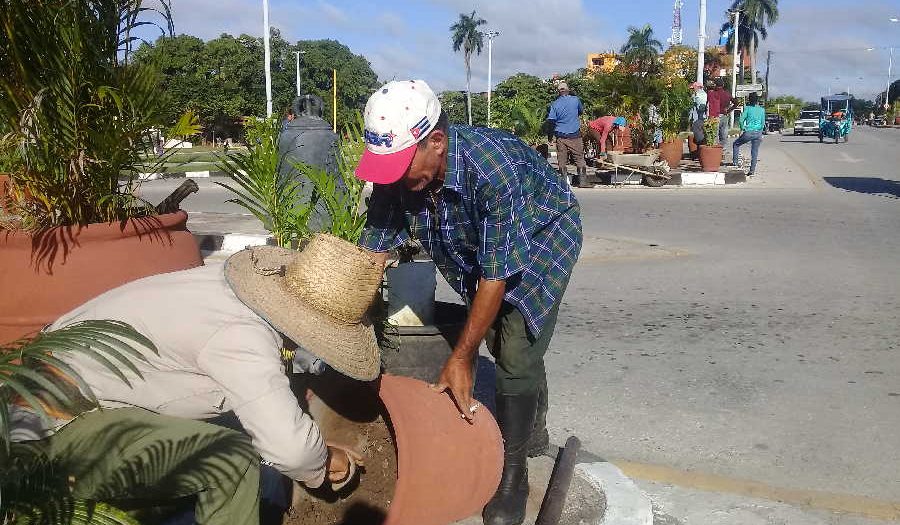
[218, 333]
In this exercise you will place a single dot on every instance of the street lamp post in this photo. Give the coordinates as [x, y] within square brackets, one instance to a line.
[887, 92]
[490, 35]
[701, 44]
[267, 58]
[734, 62]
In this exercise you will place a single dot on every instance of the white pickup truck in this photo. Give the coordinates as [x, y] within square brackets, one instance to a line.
[808, 122]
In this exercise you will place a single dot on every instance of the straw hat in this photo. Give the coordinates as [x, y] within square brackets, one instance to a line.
[318, 298]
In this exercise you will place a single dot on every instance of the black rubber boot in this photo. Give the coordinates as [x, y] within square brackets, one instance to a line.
[515, 415]
[576, 179]
[539, 442]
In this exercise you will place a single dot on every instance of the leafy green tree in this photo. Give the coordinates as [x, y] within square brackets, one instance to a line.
[641, 49]
[519, 90]
[466, 36]
[455, 104]
[789, 114]
[223, 79]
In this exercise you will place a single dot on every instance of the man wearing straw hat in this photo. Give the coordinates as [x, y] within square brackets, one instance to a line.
[504, 229]
[218, 334]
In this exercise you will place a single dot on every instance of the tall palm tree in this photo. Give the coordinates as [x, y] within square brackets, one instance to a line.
[641, 48]
[465, 35]
[756, 17]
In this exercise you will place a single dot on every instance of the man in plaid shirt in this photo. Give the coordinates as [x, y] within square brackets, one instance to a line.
[505, 231]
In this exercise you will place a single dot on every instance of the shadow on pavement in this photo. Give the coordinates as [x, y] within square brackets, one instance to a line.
[872, 185]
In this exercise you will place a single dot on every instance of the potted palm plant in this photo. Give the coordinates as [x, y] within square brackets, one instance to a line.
[711, 150]
[675, 101]
[81, 117]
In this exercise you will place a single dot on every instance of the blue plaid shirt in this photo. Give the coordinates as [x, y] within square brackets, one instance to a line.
[503, 213]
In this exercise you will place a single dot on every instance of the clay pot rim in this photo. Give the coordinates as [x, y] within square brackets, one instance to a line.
[100, 231]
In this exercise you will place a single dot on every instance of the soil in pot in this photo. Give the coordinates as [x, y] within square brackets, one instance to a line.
[349, 413]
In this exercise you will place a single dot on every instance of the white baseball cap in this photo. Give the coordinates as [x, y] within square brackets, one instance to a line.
[397, 116]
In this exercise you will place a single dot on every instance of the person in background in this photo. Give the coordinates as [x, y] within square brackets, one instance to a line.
[602, 127]
[698, 112]
[720, 104]
[753, 118]
[565, 113]
[654, 119]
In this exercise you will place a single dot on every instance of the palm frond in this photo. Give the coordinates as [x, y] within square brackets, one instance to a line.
[33, 374]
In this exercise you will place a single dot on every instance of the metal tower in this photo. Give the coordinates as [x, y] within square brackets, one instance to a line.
[677, 33]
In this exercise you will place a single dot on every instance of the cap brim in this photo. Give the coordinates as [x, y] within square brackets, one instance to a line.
[385, 169]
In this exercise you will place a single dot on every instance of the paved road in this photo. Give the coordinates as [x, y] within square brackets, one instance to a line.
[714, 336]
[756, 337]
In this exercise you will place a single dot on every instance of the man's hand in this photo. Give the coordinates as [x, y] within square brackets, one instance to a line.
[340, 463]
[457, 373]
[457, 378]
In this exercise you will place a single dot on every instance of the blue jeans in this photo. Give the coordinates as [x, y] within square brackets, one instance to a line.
[755, 139]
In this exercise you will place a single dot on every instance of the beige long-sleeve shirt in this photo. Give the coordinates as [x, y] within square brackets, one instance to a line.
[215, 355]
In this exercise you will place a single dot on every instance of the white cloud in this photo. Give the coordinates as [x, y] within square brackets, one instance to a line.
[810, 58]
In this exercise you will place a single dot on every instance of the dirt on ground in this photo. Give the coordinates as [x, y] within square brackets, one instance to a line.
[348, 413]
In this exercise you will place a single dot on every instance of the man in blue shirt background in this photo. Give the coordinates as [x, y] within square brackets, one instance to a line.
[565, 113]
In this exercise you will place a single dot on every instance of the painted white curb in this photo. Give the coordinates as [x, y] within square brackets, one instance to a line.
[235, 242]
[626, 504]
[197, 174]
[708, 178]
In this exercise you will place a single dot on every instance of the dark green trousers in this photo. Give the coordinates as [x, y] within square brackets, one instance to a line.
[135, 454]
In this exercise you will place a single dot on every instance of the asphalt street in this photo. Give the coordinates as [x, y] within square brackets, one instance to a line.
[764, 347]
[731, 347]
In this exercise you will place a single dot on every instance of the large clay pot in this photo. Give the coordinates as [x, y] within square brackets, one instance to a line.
[45, 274]
[710, 158]
[692, 145]
[447, 469]
[671, 152]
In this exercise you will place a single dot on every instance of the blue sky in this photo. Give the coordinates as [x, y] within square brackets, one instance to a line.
[410, 39]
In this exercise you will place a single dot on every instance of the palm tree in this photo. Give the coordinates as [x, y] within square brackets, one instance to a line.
[642, 48]
[756, 17]
[465, 35]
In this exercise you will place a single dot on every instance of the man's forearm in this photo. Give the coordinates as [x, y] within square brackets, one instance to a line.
[484, 310]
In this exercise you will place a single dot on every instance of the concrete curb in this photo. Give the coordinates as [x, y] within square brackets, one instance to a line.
[182, 175]
[224, 244]
[626, 504]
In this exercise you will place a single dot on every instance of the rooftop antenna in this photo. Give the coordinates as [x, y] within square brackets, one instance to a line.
[677, 33]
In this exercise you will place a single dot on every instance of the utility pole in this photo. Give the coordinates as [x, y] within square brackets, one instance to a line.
[768, 63]
[887, 93]
[490, 35]
[701, 44]
[267, 58]
[734, 62]
[298, 53]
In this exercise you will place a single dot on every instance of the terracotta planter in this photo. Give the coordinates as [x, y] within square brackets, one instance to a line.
[623, 140]
[710, 158]
[671, 152]
[897, 120]
[46, 274]
[447, 469]
[692, 144]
